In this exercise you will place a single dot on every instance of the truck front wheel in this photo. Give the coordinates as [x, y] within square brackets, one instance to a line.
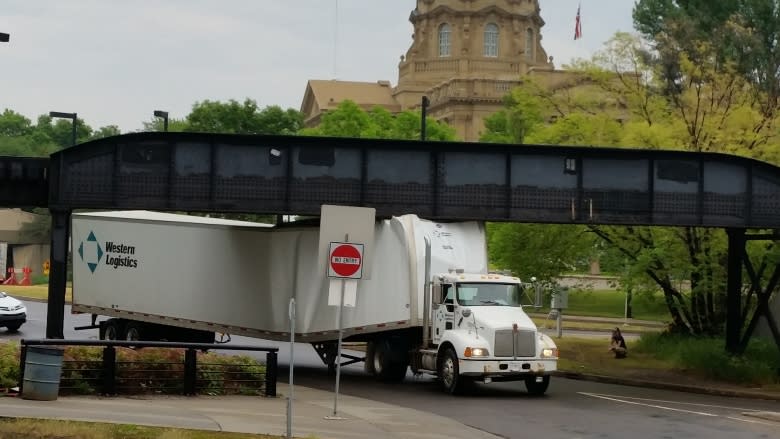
[449, 373]
[537, 388]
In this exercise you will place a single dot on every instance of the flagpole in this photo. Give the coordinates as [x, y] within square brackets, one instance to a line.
[336, 42]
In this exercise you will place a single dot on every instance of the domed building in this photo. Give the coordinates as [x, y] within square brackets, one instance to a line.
[466, 55]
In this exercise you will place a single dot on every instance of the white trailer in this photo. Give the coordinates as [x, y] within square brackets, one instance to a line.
[430, 303]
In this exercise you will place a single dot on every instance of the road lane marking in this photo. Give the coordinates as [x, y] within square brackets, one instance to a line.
[593, 395]
[679, 403]
[752, 421]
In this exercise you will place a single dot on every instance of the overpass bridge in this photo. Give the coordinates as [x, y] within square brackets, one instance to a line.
[443, 181]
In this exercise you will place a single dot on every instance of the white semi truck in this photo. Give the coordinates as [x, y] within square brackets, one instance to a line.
[430, 303]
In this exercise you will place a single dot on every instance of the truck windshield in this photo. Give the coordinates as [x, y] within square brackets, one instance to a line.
[489, 294]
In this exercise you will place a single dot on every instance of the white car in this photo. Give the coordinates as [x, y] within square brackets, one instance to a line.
[13, 313]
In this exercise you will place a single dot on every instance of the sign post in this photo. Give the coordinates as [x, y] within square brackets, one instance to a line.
[345, 245]
[291, 312]
[345, 262]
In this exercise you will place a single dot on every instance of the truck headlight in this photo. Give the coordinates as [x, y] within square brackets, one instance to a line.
[550, 353]
[476, 352]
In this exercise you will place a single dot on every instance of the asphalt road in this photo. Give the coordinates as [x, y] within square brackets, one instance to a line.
[571, 409]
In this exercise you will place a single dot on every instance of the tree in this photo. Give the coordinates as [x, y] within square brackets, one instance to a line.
[349, 120]
[13, 124]
[242, 118]
[106, 131]
[523, 112]
[745, 35]
[713, 107]
[158, 125]
[61, 131]
[19, 137]
[558, 249]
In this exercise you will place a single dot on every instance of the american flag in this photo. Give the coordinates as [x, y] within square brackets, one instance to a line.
[578, 25]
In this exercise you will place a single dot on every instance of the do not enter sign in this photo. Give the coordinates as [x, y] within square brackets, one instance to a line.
[345, 260]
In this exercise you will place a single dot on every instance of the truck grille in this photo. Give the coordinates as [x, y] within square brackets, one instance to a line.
[525, 343]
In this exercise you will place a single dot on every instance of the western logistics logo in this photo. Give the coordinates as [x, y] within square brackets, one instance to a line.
[116, 254]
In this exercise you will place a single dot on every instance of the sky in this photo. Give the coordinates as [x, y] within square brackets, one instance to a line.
[116, 61]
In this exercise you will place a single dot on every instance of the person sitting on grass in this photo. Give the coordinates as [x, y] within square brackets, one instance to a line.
[618, 344]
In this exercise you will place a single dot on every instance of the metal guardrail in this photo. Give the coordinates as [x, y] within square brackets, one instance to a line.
[106, 373]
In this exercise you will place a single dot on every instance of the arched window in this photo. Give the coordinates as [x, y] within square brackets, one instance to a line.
[444, 40]
[529, 44]
[491, 40]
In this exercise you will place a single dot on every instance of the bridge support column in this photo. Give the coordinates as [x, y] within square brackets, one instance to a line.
[734, 318]
[58, 276]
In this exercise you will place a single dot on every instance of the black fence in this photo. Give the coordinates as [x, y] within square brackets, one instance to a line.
[166, 372]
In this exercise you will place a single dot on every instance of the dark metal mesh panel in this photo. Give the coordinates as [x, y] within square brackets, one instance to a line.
[766, 199]
[399, 181]
[540, 204]
[250, 177]
[89, 181]
[472, 185]
[144, 175]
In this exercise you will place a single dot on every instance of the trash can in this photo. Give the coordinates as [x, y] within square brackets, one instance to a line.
[42, 369]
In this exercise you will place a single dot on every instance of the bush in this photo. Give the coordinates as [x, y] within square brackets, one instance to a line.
[158, 370]
[707, 357]
[40, 279]
[9, 365]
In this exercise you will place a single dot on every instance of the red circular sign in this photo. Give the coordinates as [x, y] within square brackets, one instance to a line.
[345, 260]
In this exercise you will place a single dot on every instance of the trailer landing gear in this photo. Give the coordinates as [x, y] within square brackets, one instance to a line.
[328, 352]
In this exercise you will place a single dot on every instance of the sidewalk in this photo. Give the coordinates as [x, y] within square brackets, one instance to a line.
[258, 415]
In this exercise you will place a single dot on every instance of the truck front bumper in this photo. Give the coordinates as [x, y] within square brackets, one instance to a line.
[507, 369]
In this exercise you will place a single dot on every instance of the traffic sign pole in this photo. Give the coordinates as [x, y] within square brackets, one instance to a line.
[338, 355]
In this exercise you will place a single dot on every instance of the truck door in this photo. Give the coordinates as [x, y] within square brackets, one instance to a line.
[444, 312]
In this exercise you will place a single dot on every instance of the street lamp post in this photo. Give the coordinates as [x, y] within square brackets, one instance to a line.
[164, 116]
[424, 115]
[71, 116]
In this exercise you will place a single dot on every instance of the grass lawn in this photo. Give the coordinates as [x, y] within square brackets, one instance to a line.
[41, 428]
[542, 323]
[612, 303]
[39, 292]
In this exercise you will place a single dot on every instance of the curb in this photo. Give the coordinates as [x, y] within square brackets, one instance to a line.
[767, 416]
[750, 394]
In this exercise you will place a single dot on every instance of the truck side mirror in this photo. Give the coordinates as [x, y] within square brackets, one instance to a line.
[436, 294]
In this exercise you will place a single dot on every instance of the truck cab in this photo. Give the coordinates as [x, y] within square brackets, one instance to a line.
[480, 332]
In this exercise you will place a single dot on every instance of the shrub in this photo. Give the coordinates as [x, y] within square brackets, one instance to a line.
[707, 357]
[158, 370]
[9, 364]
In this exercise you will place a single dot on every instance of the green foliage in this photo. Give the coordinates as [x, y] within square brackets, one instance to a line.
[555, 249]
[647, 305]
[524, 112]
[242, 118]
[744, 34]
[349, 120]
[150, 370]
[706, 357]
[9, 364]
[623, 97]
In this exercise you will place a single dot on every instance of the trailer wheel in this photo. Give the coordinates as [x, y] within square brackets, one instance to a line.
[449, 374]
[389, 361]
[537, 388]
[133, 332]
[111, 329]
[368, 362]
